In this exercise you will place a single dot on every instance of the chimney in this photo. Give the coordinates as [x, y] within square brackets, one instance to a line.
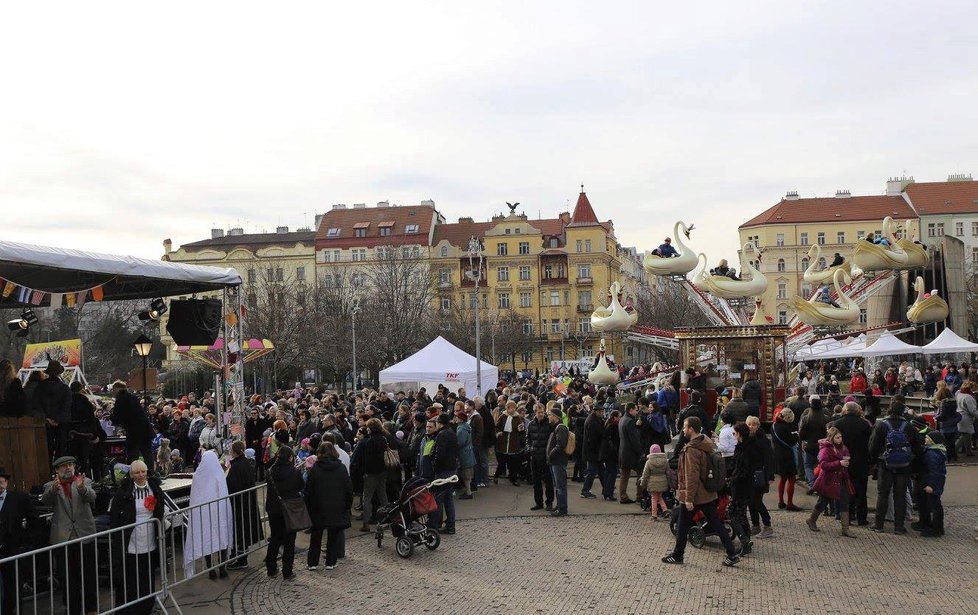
[465, 219]
[896, 185]
[792, 195]
[843, 194]
[359, 206]
[281, 229]
[236, 231]
[319, 218]
[383, 203]
[565, 217]
[959, 177]
[303, 229]
[339, 206]
[167, 247]
[428, 203]
[217, 233]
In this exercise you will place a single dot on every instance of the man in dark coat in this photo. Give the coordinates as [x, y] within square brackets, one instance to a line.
[247, 521]
[591, 450]
[131, 416]
[893, 480]
[855, 435]
[537, 434]
[84, 430]
[629, 451]
[445, 465]
[52, 400]
[329, 496]
[18, 520]
[752, 393]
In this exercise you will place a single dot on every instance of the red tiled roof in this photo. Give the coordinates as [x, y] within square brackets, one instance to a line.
[930, 198]
[583, 212]
[458, 234]
[833, 209]
[252, 240]
[370, 218]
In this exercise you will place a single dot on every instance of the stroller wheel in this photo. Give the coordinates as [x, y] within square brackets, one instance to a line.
[431, 539]
[404, 547]
[673, 520]
[380, 538]
[697, 537]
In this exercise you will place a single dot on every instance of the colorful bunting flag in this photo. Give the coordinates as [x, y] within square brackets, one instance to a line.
[70, 299]
[98, 293]
[8, 288]
[56, 299]
[23, 294]
[81, 297]
[37, 297]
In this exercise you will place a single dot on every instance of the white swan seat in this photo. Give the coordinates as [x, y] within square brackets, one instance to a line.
[676, 265]
[814, 312]
[614, 317]
[927, 309]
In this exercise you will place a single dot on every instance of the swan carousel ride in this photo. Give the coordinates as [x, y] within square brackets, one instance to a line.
[602, 374]
[675, 265]
[817, 313]
[917, 257]
[726, 287]
[870, 256]
[929, 307]
[615, 317]
[825, 275]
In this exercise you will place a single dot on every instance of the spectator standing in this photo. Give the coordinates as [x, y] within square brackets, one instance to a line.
[131, 416]
[329, 496]
[557, 459]
[17, 520]
[934, 475]
[591, 448]
[784, 439]
[284, 483]
[610, 444]
[537, 436]
[52, 401]
[763, 461]
[466, 454]
[894, 454]
[968, 410]
[445, 465]
[833, 482]
[139, 499]
[247, 522]
[13, 400]
[856, 432]
[629, 453]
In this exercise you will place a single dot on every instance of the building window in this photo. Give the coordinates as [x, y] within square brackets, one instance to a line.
[333, 232]
[526, 300]
[251, 276]
[504, 301]
[804, 239]
[473, 301]
[356, 279]
[821, 238]
[863, 318]
[840, 237]
[554, 243]
[444, 251]
[527, 327]
[780, 265]
[252, 299]
[359, 254]
[779, 241]
[524, 247]
[269, 274]
[806, 291]
[587, 245]
[804, 263]
[524, 272]
[555, 326]
[550, 354]
[579, 244]
[385, 231]
[782, 290]
[959, 229]
[279, 275]
[860, 235]
[782, 317]
[555, 297]
[502, 249]
[974, 256]
[444, 277]
[974, 229]
[940, 229]
[508, 231]
[584, 299]
[584, 325]
[411, 229]
[584, 270]
[502, 274]
[300, 274]
[359, 232]
[446, 303]
[548, 272]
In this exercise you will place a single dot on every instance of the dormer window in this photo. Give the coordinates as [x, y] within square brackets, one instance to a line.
[411, 228]
[333, 232]
[360, 229]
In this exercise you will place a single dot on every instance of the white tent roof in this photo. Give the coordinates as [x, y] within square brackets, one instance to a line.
[59, 270]
[889, 344]
[807, 352]
[441, 362]
[851, 347]
[949, 342]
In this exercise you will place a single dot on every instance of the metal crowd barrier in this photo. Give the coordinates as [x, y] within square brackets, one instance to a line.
[97, 572]
[91, 573]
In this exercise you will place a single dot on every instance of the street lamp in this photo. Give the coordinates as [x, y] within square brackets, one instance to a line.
[475, 274]
[143, 345]
[353, 311]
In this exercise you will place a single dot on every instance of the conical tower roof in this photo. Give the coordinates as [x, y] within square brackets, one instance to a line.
[583, 212]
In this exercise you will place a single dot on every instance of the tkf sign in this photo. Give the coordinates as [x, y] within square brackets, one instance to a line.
[452, 377]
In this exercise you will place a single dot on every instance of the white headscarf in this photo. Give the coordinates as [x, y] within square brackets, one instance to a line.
[210, 520]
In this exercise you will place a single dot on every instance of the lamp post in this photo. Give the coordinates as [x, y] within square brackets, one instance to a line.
[353, 311]
[475, 274]
[143, 345]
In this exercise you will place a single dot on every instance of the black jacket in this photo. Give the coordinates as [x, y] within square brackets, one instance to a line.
[446, 450]
[751, 393]
[741, 470]
[329, 494]
[877, 439]
[762, 457]
[247, 522]
[593, 434]
[610, 444]
[52, 400]
[736, 409]
[855, 435]
[697, 411]
[372, 454]
[630, 444]
[18, 520]
[537, 435]
[811, 429]
[122, 512]
[128, 414]
[287, 484]
[14, 403]
[556, 446]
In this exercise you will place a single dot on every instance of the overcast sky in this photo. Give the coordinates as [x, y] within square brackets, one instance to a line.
[122, 124]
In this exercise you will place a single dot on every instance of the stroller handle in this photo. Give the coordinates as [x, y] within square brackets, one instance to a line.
[443, 481]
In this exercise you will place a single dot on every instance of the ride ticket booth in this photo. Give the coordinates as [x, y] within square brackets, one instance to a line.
[729, 356]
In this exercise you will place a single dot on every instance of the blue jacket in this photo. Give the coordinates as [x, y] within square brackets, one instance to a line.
[667, 399]
[935, 469]
[466, 456]
[667, 250]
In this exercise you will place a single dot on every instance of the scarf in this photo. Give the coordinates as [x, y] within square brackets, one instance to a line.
[66, 487]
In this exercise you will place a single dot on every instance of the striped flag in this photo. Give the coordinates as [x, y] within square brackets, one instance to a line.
[37, 297]
[23, 294]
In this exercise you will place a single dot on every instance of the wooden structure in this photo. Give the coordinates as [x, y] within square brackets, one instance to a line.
[727, 356]
[24, 450]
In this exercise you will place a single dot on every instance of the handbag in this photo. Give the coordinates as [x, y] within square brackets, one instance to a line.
[392, 459]
[294, 511]
[760, 478]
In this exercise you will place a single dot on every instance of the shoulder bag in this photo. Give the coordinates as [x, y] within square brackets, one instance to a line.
[293, 510]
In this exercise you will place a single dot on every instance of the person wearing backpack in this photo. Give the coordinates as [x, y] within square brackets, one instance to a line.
[701, 474]
[893, 443]
[557, 453]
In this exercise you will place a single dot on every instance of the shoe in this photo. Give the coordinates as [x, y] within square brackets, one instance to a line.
[862, 522]
[312, 567]
[782, 505]
[288, 577]
[746, 548]
[731, 560]
[537, 507]
[917, 526]
[448, 531]
[465, 497]
[237, 565]
[626, 500]
[333, 567]
[672, 559]
[559, 513]
[482, 486]
[222, 573]
[495, 480]
[588, 496]
[878, 530]
[812, 521]
[272, 573]
[845, 528]
[609, 498]
[549, 507]
[792, 508]
[900, 531]
[766, 532]
[754, 531]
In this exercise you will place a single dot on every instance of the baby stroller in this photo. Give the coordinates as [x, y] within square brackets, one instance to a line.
[700, 530]
[407, 516]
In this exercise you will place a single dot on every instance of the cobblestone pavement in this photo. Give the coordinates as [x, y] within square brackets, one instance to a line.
[610, 564]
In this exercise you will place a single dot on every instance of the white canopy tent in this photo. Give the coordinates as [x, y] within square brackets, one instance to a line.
[851, 347]
[806, 353]
[440, 362]
[889, 344]
[949, 342]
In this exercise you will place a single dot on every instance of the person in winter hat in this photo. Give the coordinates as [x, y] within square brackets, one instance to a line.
[933, 476]
[654, 479]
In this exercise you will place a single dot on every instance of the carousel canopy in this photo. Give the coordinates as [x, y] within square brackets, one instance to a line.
[440, 362]
[889, 344]
[852, 347]
[949, 342]
[212, 355]
[39, 274]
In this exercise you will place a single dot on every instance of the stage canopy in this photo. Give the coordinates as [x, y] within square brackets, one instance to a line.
[949, 342]
[440, 362]
[211, 356]
[889, 344]
[38, 275]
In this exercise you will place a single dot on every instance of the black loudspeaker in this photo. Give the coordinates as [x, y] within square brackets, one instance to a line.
[194, 322]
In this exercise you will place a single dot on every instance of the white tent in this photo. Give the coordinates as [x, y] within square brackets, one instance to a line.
[851, 347]
[440, 362]
[806, 353]
[949, 342]
[889, 344]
